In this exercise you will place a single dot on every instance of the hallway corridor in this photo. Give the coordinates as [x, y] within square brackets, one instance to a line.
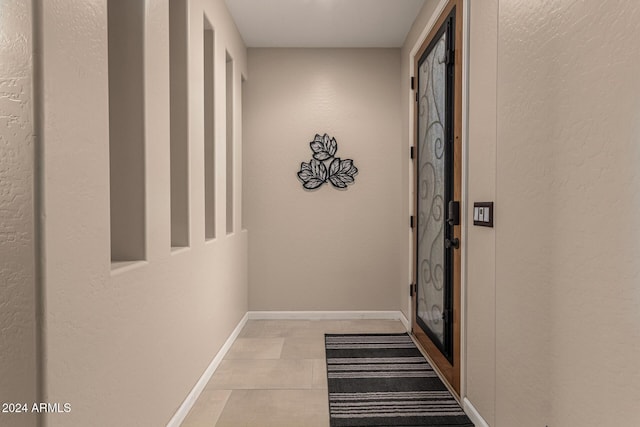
[151, 202]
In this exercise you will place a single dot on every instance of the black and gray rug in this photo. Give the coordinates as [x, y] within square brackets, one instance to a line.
[383, 380]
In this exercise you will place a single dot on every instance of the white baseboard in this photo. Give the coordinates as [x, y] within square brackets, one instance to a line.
[473, 414]
[329, 315]
[405, 322]
[193, 395]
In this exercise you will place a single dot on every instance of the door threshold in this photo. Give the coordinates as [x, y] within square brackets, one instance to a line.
[435, 368]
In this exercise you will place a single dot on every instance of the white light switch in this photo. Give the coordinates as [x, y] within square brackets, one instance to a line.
[483, 214]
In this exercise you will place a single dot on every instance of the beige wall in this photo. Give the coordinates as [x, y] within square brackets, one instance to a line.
[526, 244]
[125, 346]
[17, 241]
[324, 249]
[567, 244]
[481, 186]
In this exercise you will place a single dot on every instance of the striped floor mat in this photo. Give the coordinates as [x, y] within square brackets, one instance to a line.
[383, 380]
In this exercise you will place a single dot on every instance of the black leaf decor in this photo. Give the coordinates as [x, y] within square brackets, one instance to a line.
[324, 166]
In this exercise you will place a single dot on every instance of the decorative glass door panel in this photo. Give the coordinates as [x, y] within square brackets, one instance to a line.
[434, 191]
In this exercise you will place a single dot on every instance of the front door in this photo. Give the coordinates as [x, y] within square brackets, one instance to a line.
[436, 320]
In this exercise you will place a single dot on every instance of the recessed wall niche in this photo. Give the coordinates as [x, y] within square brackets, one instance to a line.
[230, 145]
[126, 129]
[209, 131]
[179, 134]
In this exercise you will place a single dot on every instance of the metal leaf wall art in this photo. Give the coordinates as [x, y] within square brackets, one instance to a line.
[325, 166]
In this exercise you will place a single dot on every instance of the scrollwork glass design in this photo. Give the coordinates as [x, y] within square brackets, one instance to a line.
[431, 188]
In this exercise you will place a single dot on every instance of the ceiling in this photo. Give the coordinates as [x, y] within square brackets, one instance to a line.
[324, 23]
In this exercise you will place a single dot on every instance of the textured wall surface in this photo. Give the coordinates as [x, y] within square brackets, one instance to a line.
[17, 268]
[567, 243]
[525, 242]
[125, 346]
[325, 249]
[481, 185]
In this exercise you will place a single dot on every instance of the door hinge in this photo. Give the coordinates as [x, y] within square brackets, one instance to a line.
[450, 56]
[412, 289]
[413, 83]
[411, 222]
[412, 152]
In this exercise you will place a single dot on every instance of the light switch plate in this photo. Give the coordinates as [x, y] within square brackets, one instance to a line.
[483, 214]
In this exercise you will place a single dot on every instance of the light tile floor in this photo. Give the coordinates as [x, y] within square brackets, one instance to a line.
[275, 375]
